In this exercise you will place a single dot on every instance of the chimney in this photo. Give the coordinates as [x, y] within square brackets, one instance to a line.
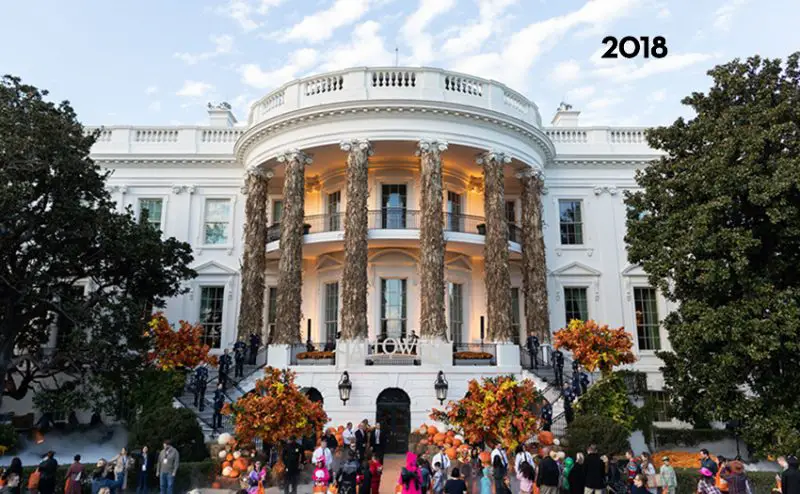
[565, 116]
[220, 115]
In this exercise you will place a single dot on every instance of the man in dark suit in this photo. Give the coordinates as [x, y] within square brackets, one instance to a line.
[533, 350]
[225, 362]
[145, 468]
[377, 441]
[361, 441]
[558, 367]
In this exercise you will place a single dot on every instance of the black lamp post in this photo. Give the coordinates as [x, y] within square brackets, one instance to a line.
[441, 388]
[345, 386]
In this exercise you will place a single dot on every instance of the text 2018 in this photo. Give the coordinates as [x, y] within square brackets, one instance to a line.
[630, 47]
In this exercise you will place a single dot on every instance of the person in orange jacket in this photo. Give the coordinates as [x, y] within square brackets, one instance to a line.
[721, 483]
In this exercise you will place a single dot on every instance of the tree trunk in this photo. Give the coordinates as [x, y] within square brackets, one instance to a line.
[534, 267]
[498, 279]
[432, 246]
[354, 277]
[254, 263]
[290, 266]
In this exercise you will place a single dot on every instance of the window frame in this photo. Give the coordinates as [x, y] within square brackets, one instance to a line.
[325, 337]
[149, 197]
[222, 313]
[520, 313]
[231, 238]
[404, 320]
[583, 240]
[585, 290]
[646, 337]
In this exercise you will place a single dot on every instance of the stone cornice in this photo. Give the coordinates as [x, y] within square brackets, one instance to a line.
[439, 109]
[188, 160]
[602, 162]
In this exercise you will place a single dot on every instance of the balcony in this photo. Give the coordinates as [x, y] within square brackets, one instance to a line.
[395, 219]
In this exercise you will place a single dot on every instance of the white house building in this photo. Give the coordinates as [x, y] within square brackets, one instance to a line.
[292, 161]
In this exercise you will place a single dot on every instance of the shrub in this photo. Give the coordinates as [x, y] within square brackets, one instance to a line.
[179, 425]
[689, 437]
[762, 482]
[609, 398]
[609, 436]
[8, 437]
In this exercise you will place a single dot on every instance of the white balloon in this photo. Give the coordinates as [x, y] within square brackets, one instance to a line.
[224, 439]
[222, 454]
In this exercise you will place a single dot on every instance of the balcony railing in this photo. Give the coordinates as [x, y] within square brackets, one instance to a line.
[298, 349]
[396, 219]
[472, 353]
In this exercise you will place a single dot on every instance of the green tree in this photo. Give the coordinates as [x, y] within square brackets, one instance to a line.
[59, 228]
[716, 225]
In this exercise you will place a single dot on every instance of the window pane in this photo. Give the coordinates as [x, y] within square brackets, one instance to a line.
[515, 314]
[456, 302]
[331, 311]
[393, 308]
[272, 312]
[454, 219]
[393, 206]
[647, 326]
[334, 211]
[661, 404]
[575, 304]
[277, 211]
[571, 222]
[151, 209]
[217, 221]
[211, 303]
[511, 211]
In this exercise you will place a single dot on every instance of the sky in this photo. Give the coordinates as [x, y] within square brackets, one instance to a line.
[160, 62]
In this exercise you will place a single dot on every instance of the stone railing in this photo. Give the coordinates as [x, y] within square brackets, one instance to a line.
[118, 140]
[385, 84]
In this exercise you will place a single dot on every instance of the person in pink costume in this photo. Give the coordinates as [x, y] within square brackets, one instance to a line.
[321, 476]
[410, 477]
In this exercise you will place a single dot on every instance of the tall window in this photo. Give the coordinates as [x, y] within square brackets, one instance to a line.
[661, 405]
[646, 318]
[65, 323]
[150, 210]
[212, 299]
[456, 301]
[571, 220]
[217, 222]
[575, 304]
[511, 212]
[515, 315]
[455, 222]
[334, 211]
[331, 311]
[277, 211]
[393, 308]
[393, 206]
[272, 312]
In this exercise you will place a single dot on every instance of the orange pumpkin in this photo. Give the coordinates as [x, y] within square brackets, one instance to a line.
[485, 457]
[457, 442]
[432, 430]
[451, 433]
[229, 457]
[451, 453]
[226, 464]
[240, 464]
[216, 485]
[546, 438]
[439, 438]
[234, 474]
[464, 447]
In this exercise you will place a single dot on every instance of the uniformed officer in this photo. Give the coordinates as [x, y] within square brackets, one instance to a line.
[255, 344]
[219, 402]
[576, 380]
[533, 350]
[239, 351]
[584, 382]
[558, 366]
[547, 416]
[200, 384]
[569, 397]
[224, 368]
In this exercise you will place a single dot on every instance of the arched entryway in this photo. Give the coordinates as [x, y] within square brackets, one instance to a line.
[313, 394]
[394, 414]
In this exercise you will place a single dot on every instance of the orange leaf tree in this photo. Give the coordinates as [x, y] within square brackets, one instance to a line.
[497, 409]
[174, 349]
[275, 410]
[596, 347]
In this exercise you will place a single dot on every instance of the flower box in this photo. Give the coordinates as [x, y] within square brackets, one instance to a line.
[316, 358]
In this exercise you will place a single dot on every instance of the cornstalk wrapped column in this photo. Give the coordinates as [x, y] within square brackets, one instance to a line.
[498, 279]
[432, 245]
[254, 261]
[290, 266]
[534, 266]
[354, 277]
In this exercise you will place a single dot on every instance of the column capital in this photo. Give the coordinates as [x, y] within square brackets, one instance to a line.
[531, 173]
[430, 145]
[260, 173]
[492, 155]
[353, 144]
[295, 155]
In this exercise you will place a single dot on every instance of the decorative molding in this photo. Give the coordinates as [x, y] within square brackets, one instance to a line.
[603, 163]
[164, 161]
[189, 189]
[313, 183]
[177, 189]
[295, 155]
[492, 155]
[530, 172]
[428, 145]
[476, 183]
[589, 251]
[362, 144]
[122, 189]
[609, 189]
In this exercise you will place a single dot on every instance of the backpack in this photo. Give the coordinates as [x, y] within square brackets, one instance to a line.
[407, 476]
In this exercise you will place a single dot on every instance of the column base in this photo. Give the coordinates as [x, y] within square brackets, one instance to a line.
[278, 356]
[508, 355]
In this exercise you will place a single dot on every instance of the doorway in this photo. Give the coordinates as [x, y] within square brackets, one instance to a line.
[394, 414]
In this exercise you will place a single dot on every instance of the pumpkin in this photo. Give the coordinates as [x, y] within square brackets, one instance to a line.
[546, 438]
[237, 455]
[216, 485]
[229, 457]
[226, 472]
[226, 464]
[485, 457]
[456, 443]
[451, 453]
[432, 430]
[450, 433]
[398, 489]
[224, 439]
[222, 454]
[439, 438]
[240, 464]
[234, 474]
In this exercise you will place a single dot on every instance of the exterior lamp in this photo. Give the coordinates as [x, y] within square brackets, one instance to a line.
[441, 388]
[345, 386]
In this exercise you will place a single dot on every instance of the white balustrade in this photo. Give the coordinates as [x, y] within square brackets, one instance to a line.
[567, 136]
[627, 136]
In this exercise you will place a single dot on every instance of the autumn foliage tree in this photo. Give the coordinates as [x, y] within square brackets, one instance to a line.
[497, 409]
[596, 347]
[275, 410]
[177, 348]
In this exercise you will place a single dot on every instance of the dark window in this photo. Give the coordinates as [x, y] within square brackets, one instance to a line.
[660, 401]
[150, 210]
[511, 212]
[647, 329]
[277, 211]
[571, 222]
[393, 308]
[575, 304]
[456, 302]
[515, 314]
[212, 299]
[272, 311]
[331, 311]
[455, 222]
[334, 211]
[393, 206]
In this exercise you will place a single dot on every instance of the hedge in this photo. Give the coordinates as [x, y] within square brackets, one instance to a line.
[689, 437]
[762, 482]
[190, 476]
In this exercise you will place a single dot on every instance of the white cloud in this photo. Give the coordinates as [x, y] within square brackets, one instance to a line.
[580, 93]
[414, 32]
[664, 13]
[155, 106]
[472, 36]
[671, 63]
[366, 47]
[723, 16]
[320, 25]
[299, 61]
[241, 12]
[151, 90]
[194, 89]
[222, 45]
[566, 71]
[602, 103]
[658, 96]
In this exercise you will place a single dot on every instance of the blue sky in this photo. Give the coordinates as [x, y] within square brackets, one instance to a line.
[160, 62]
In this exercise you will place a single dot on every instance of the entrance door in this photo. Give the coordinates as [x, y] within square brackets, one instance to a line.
[394, 415]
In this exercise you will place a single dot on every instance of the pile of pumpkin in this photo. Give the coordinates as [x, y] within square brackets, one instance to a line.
[454, 444]
[679, 459]
[234, 463]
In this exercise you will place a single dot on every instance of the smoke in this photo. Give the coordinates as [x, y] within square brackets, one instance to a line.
[99, 442]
